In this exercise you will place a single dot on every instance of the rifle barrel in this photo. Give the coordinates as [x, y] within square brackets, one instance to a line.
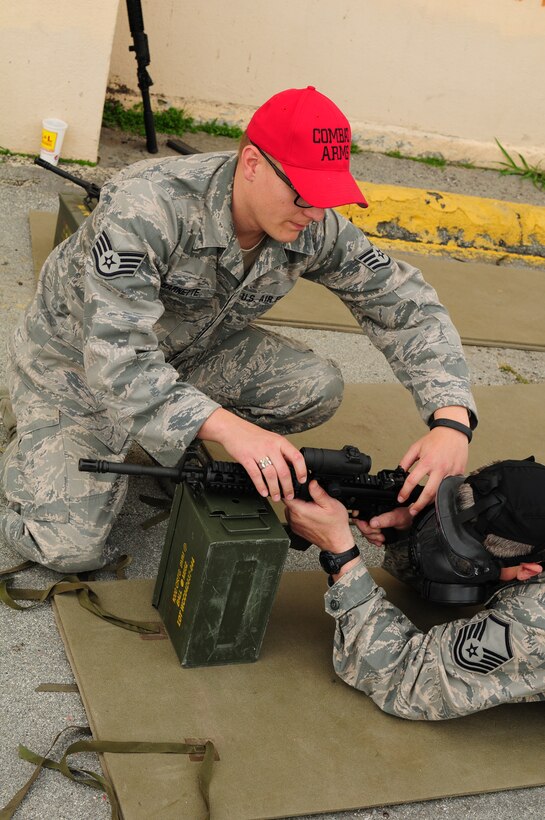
[89, 465]
[93, 190]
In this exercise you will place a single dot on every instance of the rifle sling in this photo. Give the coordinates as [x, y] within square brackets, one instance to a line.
[163, 504]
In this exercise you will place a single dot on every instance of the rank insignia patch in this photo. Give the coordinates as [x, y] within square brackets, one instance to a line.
[110, 263]
[483, 646]
[375, 259]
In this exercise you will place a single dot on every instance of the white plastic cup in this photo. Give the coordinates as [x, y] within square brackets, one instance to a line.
[53, 131]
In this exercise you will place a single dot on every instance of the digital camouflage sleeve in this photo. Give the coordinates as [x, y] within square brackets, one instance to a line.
[456, 668]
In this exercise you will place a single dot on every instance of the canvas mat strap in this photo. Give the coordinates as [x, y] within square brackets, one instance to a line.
[96, 781]
[119, 566]
[17, 568]
[87, 598]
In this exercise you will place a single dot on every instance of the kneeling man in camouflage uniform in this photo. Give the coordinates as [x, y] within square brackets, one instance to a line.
[142, 330]
[483, 541]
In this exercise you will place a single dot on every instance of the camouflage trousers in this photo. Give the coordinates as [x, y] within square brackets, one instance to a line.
[62, 518]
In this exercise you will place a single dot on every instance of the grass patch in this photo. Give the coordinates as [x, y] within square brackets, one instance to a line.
[219, 129]
[5, 152]
[506, 368]
[170, 121]
[85, 162]
[511, 168]
[436, 162]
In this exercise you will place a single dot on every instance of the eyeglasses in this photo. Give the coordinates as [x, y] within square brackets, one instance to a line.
[299, 201]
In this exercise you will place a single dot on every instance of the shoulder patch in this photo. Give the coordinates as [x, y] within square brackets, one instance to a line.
[374, 259]
[483, 646]
[110, 263]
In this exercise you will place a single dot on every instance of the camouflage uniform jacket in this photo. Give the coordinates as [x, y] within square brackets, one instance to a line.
[467, 665]
[154, 279]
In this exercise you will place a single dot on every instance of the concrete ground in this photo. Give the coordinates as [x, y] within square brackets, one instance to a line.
[31, 650]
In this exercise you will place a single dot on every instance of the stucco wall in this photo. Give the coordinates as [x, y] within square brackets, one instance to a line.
[55, 63]
[417, 75]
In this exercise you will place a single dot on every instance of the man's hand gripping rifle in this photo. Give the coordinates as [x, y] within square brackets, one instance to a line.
[344, 474]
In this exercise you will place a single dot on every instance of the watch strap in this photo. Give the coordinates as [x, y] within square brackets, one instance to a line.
[331, 562]
[454, 425]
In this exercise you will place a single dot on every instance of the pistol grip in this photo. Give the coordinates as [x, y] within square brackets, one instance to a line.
[297, 542]
[392, 535]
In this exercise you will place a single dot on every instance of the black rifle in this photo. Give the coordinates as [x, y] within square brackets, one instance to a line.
[93, 191]
[343, 474]
[142, 55]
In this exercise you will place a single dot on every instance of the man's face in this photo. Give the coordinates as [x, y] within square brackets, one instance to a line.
[271, 203]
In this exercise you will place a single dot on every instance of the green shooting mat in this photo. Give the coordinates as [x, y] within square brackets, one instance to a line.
[291, 737]
[267, 719]
[490, 305]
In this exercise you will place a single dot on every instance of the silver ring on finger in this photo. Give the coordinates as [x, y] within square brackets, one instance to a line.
[264, 462]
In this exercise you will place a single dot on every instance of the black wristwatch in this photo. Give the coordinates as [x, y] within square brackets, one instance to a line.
[331, 562]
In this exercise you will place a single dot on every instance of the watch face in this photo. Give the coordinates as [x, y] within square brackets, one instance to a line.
[329, 562]
[332, 562]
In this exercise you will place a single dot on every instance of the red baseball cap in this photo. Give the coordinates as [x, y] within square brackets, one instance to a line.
[306, 132]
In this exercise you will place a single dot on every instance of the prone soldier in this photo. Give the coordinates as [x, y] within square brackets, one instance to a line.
[483, 541]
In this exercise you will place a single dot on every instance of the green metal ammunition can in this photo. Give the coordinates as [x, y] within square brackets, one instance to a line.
[219, 572]
[72, 213]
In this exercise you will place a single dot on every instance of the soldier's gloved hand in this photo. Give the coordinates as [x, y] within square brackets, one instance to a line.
[266, 456]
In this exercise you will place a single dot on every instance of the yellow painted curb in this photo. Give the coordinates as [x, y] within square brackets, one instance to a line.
[437, 221]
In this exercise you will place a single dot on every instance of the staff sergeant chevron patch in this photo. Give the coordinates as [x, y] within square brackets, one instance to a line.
[484, 646]
[375, 259]
[110, 263]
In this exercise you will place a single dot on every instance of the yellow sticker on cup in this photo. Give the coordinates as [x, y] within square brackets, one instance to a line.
[49, 139]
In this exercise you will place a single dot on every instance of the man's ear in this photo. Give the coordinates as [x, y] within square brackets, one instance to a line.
[526, 571]
[249, 159]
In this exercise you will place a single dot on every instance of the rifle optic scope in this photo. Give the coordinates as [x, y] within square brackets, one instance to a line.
[348, 461]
